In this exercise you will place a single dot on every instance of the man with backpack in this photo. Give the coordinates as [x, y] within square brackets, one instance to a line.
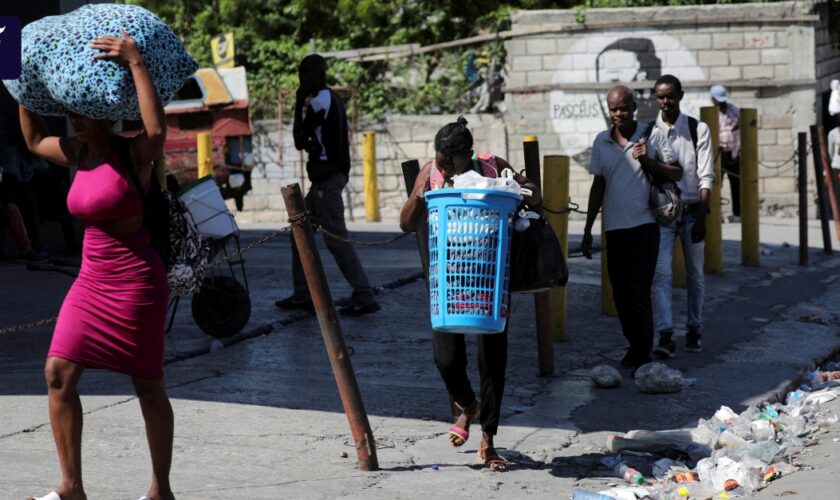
[322, 131]
[690, 142]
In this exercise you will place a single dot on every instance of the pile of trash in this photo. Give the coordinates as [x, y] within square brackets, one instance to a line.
[727, 456]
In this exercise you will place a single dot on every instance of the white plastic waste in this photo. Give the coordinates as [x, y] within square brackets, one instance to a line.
[605, 376]
[523, 219]
[473, 180]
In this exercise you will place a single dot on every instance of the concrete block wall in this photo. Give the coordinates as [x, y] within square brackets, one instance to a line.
[827, 52]
[398, 138]
[774, 57]
[769, 55]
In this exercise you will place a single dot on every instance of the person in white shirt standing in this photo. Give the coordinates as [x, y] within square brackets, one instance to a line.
[729, 120]
[690, 141]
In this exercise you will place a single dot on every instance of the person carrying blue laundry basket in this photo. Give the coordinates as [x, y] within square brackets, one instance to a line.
[454, 155]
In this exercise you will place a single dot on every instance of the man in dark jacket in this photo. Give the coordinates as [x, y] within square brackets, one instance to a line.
[321, 130]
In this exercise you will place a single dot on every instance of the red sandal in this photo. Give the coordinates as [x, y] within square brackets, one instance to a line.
[458, 435]
[493, 460]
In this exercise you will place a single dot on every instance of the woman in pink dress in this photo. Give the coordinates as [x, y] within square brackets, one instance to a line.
[113, 316]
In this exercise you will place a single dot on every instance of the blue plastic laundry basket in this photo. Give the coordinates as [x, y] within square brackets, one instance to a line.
[469, 259]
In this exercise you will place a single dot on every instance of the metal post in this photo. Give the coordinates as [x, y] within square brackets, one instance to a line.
[802, 181]
[556, 196]
[542, 300]
[204, 147]
[348, 388]
[750, 246]
[818, 179]
[713, 252]
[827, 177]
[371, 190]
[411, 169]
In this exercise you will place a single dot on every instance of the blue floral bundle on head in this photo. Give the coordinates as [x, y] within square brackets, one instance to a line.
[59, 72]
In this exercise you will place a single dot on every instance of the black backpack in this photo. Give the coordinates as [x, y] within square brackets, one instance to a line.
[174, 234]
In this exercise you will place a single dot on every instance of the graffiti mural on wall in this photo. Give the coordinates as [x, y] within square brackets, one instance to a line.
[616, 56]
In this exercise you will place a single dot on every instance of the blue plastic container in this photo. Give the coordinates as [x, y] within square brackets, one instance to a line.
[469, 259]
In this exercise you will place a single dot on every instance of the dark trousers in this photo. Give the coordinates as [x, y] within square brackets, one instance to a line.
[451, 360]
[631, 264]
[324, 200]
[732, 166]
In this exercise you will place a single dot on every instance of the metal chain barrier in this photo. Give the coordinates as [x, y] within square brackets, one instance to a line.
[331, 235]
[28, 326]
[573, 207]
[265, 238]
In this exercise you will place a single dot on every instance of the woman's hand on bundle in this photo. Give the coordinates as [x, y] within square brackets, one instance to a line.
[123, 50]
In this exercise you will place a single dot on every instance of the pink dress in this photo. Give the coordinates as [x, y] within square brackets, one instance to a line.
[113, 316]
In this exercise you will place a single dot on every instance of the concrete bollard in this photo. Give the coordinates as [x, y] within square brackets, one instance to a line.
[556, 196]
[371, 189]
[750, 246]
[607, 302]
[713, 252]
[678, 278]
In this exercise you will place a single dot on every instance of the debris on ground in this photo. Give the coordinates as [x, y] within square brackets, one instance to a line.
[605, 376]
[729, 455]
[657, 378]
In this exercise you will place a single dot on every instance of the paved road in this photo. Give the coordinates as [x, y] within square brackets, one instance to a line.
[261, 418]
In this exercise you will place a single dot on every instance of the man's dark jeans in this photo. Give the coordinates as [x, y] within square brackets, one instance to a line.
[631, 263]
[325, 202]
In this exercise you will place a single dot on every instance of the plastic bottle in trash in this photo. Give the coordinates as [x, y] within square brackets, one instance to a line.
[629, 474]
[582, 494]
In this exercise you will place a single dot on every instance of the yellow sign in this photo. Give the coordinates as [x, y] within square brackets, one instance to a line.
[222, 48]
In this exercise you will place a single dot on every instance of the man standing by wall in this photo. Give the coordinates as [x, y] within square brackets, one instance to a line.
[322, 132]
[689, 140]
[730, 145]
[620, 159]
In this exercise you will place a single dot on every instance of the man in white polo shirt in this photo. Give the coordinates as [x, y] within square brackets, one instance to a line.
[621, 160]
[689, 140]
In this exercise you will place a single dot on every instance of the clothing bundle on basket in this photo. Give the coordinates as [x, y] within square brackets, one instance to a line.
[60, 74]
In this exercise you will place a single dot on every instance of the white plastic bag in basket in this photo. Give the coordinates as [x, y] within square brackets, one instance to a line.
[473, 180]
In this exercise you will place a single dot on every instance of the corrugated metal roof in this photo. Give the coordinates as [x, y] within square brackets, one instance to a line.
[216, 91]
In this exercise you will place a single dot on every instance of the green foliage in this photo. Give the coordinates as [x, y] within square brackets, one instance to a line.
[271, 36]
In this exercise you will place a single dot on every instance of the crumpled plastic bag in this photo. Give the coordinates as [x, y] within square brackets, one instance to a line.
[657, 378]
[59, 73]
[605, 376]
[473, 180]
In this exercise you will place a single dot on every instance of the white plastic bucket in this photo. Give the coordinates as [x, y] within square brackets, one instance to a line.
[205, 203]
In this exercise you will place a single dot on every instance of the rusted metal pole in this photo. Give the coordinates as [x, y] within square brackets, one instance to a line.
[542, 300]
[345, 379]
[802, 184]
[821, 195]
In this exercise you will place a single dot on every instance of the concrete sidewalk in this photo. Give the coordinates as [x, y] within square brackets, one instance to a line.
[261, 418]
